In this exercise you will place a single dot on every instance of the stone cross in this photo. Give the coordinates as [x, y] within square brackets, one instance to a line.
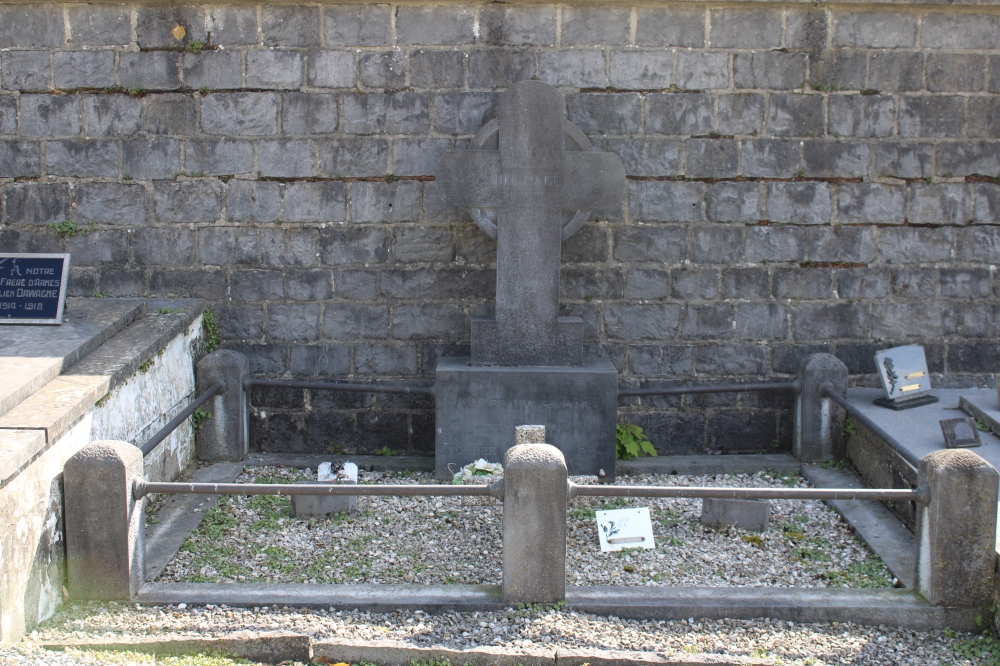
[530, 180]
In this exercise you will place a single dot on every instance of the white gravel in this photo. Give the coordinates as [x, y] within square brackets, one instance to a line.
[435, 540]
[783, 642]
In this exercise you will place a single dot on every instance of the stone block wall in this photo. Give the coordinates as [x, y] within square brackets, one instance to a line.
[801, 178]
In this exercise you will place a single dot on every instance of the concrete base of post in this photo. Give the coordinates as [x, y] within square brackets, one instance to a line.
[534, 525]
[105, 548]
[225, 435]
[956, 530]
[818, 419]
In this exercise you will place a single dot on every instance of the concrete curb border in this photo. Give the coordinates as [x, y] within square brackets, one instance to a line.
[277, 646]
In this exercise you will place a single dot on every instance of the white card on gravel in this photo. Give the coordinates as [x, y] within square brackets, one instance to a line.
[625, 528]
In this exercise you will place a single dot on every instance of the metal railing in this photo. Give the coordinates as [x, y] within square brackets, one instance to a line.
[828, 390]
[142, 488]
[339, 386]
[794, 386]
[179, 419]
[709, 492]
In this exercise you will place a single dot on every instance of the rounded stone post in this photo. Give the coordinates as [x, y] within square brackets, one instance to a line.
[105, 548]
[956, 529]
[226, 434]
[818, 419]
[534, 525]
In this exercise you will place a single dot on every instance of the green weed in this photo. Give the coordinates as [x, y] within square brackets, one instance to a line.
[198, 417]
[631, 442]
[211, 330]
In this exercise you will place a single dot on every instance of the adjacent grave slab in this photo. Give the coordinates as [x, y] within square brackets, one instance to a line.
[477, 409]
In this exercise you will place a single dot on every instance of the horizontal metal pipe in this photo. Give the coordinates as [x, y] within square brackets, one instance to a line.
[179, 419]
[794, 386]
[881, 494]
[339, 386]
[143, 488]
[827, 389]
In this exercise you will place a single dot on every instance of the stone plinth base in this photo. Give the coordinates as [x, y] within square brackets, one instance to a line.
[478, 408]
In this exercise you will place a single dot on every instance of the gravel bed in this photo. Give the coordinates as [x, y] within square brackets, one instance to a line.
[783, 642]
[434, 540]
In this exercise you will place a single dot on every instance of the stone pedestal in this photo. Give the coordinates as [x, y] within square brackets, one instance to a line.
[478, 408]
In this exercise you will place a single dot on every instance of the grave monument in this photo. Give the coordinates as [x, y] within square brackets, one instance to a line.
[530, 179]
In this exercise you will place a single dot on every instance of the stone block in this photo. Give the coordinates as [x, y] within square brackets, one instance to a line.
[954, 72]
[934, 117]
[605, 113]
[896, 72]
[36, 203]
[397, 113]
[354, 157]
[646, 158]
[518, 25]
[170, 114]
[218, 158]
[965, 283]
[702, 71]
[156, 26]
[822, 322]
[956, 529]
[293, 323]
[836, 159]
[214, 70]
[146, 159]
[716, 245]
[577, 68]
[257, 201]
[289, 25]
[163, 247]
[878, 30]
[418, 157]
[861, 115]
[445, 321]
[349, 321]
[358, 285]
[733, 202]
[111, 115]
[385, 360]
[741, 113]
[487, 68]
[774, 244]
[233, 25]
[225, 434]
[666, 201]
[591, 25]
[285, 158]
[867, 283]
[745, 29]
[149, 70]
[670, 26]
[711, 158]
[770, 158]
[19, 158]
[251, 286]
[680, 113]
[968, 159]
[626, 321]
[659, 244]
[423, 244]
[959, 31]
[803, 284]
[111, 203]
[462, 113]
[100, 25]
[840, 244]
[818, 419]
[49, 115]
[838, 70]
[354, 246]
[31, 26]
[315, 202]
[83, 69]
[732, 359]
[8, 115]
[325, 505]
[82, 158]
[707, 322]
[357, 25]
[331, 69]
[28, 70]
[534, 530]
[806, 29]
[773, 70]
[942, 204]
[187, 202]
[983, 117]
[274, 69]
[219, 246]
[435, 25]
[647, 283]
[795, 115]
[904, 159]
[986, 203]
[105, 543]
[750, 515]
[240, 114]
[382, 69]
[870, 203]
[385, 202]
[761, 321]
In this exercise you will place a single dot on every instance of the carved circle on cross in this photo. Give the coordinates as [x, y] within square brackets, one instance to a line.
[488, 138]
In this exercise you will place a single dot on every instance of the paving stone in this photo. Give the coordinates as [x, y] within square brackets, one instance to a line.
[670, 26]
[240, 114]
[741, 113]
[576, 68]
[28, 70]
[149, 70]
[896, 72]
[590, 25]
[487, 68]
[100, 25]
[187, 202]
[518, 25]
[83, 69]
[745, 29]
[146, 159]
[49, 115]
[111, 203]
[82, 159]
[771, 69]
[680, 113]
[315, 202]
[292, 25]
[253, 201]
[954, 72]
[870, 203]
[156, 25]
[331, 69]
[170, 114]
[732, 202]
[795, 115]
[435, 25]
[233, 25]
[214, 70]
[397, 113]
[882, 30]
[111, 115]
[799, 203]
[861, 115]
[218, 158]
[770, 158]
[308, 113]
[836, 159]
[354, 158]
[702, 71]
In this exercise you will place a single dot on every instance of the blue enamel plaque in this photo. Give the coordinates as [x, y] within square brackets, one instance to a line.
[33, 288]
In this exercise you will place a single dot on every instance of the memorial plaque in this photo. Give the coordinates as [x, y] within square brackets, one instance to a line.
[33, 288]
[960, 433]
[905, 377]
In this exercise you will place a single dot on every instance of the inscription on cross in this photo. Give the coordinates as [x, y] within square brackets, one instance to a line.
[530, 181]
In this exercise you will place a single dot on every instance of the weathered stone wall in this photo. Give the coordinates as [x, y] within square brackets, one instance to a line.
[802, 178]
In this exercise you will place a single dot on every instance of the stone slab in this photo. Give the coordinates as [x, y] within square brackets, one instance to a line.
[182, 514]
[269, 647]
[32, 356]
[749, 515]
[982, 406]
[872, 522]
[17, 449]
[477, 409]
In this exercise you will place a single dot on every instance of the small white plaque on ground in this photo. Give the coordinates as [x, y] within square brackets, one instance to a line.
[624, 528]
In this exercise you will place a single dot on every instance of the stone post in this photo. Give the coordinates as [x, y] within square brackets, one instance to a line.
[956, 530]
[818, 419]
[105, 549]
[224, 435]
[534, 525]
